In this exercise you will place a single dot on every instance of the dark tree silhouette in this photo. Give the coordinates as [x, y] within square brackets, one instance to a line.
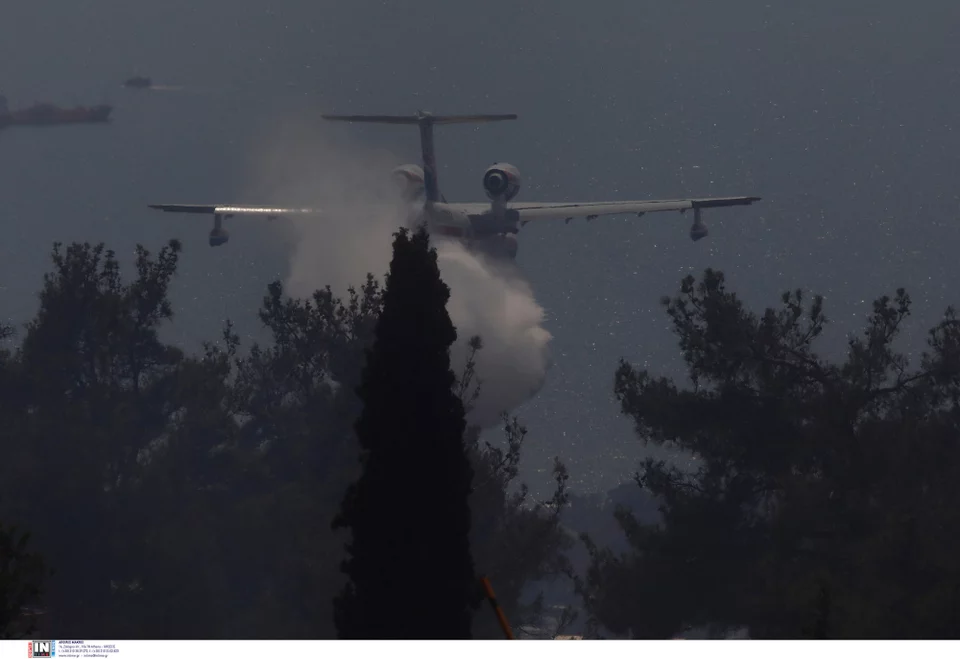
[299, 454]
[21, 577]
[824, 497]
[409, 564]
[94, 383]
[173, 474]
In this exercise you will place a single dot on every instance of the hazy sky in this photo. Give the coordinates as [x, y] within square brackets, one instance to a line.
[838, 114]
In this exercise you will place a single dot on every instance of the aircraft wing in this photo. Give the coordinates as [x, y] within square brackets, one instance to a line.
[214, 209]
[556, 211]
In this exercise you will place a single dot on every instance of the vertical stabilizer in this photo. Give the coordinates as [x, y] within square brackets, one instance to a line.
[426, 122]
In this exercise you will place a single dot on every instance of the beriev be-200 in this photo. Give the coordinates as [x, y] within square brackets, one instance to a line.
[489, 227]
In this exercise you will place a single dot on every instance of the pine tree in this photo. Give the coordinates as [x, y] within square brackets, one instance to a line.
[409, 565]
[824, 501]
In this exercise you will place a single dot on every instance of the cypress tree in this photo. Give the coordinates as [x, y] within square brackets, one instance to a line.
[410, 570]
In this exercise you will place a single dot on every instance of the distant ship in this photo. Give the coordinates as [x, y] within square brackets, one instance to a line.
[47, 114]
[138, 82]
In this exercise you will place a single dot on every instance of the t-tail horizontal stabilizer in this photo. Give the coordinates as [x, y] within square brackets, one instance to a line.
[420, 117]
[426, 122]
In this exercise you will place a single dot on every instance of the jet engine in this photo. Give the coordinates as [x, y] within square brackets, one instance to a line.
[219, 237]
[501, 181]
[409, 179]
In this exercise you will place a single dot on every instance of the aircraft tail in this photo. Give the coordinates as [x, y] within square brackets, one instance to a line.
[426, 122]
[419, 118]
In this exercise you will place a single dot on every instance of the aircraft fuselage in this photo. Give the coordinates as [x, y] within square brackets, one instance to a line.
[492, 234]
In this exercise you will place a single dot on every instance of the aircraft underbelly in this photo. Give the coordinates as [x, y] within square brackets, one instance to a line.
[500, 247]
[446, 222]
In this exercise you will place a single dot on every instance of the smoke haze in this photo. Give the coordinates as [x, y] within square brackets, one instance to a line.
[299, 164]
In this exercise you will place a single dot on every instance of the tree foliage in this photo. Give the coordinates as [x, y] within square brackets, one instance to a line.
[409, 563]
[22, 573]
[824, 498]
[191, 495]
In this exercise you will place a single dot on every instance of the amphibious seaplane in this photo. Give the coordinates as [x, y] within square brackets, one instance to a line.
[488, 227]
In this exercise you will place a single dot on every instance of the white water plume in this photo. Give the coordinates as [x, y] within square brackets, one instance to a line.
[301, 165]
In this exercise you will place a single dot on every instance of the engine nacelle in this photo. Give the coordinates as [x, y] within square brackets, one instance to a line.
[409, 179]
[501, 181]
[219, 237]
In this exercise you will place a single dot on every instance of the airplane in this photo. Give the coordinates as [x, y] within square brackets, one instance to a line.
[491, 227]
